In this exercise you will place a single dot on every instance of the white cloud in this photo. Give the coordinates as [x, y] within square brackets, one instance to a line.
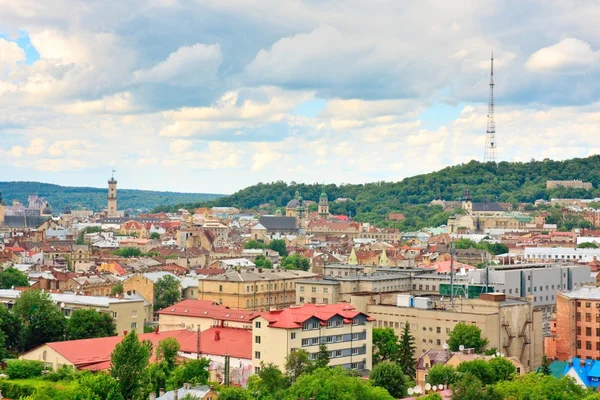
[180, 145]
[10, 54]
[195, 65]
[568, 54]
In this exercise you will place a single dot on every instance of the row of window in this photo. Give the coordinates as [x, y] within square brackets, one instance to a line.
[588, 331]
[588, 304]
[265, 301]
[313, 300]
[308, 326]
[315, 341]
[588, 345]
[313, 289]
[588, 317]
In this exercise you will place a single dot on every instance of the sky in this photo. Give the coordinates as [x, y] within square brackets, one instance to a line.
[213, 96]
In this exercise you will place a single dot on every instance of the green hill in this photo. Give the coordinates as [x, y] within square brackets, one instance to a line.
[95, 198]
[372, 202]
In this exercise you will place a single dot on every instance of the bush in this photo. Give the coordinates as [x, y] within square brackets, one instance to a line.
[13, 390]
[24, 369]
[64, 373]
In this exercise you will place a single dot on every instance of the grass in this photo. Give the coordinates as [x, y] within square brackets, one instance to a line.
[41, 383]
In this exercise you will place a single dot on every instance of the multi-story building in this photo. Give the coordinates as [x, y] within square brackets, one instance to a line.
[511, 325]
[202, 314]
[345, 331]
[576, 330]
[574, 184]
[252, 288]
[559, 254]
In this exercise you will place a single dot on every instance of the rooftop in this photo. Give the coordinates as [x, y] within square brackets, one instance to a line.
[207, 309]
[293, 317]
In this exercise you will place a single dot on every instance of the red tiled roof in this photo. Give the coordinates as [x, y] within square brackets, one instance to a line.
[341, 217]
[208, 309]
[294, 317]
[208, 271]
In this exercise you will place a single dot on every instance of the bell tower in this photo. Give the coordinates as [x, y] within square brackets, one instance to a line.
[323, 205]
[112, 196]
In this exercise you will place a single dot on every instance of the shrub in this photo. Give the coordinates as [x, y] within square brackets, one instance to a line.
[13, 390]
[64, 373]
[24, 369]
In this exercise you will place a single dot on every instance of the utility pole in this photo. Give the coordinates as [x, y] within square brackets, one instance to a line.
[490, 141]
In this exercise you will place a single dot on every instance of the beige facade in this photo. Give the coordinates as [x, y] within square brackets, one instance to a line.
[512, 326]
[49, 356]
[574, 184]
[318, 292]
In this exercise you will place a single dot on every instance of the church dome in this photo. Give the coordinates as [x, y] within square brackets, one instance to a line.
[67, 210]
[323, 195]
[46, 211]
[292, 203]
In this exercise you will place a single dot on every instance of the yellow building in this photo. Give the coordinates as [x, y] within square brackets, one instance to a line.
[252, 288]
[345, 331]
[511, 325]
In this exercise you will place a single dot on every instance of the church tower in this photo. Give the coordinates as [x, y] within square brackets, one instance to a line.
[1, 210]
[323, 205]
[112, 197]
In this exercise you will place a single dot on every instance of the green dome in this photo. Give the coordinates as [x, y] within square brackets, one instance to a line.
[323, 195]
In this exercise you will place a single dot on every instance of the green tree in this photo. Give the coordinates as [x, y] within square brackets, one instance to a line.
[40, 318]
[279, 246]
[11, 277]
[89, 323]
[99, 386]
[431, 396]
[295, 261]
[479, 369]
[153, 378]
[545, 367]
[167, 351]
[117, 289]
[269, 383]
[254, 244]
[406, 352]
[468, 388]
[537, 386]
[322, 359]
[501, 369]
[11, 333]
[467, 335]
[191, 371]
[234, 393]
[587, 245]
[166, 292]
[441, 374]
[89, 229]
[155, 236]
[263, 262]
[128, 361]
[334, 384]
[296, 363]
[128, 252]
[385, 345]
[391, 377]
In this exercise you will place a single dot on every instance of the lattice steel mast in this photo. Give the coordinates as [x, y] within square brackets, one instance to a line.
[490, 140]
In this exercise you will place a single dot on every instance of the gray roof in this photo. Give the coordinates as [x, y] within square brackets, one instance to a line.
[253, 275]
[278, 223]
[493, 206]
[22, 221]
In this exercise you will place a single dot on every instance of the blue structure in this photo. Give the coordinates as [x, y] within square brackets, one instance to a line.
[585, 372]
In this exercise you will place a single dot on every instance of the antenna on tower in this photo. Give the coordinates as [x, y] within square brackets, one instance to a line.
[490, 140]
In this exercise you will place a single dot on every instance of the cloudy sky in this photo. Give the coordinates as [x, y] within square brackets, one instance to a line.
[213, 95]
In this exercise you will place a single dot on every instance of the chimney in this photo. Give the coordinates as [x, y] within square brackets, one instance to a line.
[152, 396]
[582, 362]
[161, 392]
[187, 385]
[124, 333]
[176, 394]
[217, 336]
[570, 361]
[156, 329]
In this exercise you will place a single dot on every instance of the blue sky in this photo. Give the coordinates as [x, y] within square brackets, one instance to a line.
[215, 96]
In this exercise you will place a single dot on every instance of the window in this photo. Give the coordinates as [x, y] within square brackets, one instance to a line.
[339, 338]
[302, 288]
[579, 344]
[588, 317]
[114, 314]
[578, 316]
[293, 335]
[325, 290]
[133, 325]
[355, 336]
[305, 342]
[328, 339]
[314, 289]
[133, 313]
[257, 355]
[220, 288]
[578, 329]
[588, 345]
[588, 331]
[256, 370]
[314, 341]
[438, 342]
[334, 323]
[355, 351]
[336, 353]
[438, 330]
[310, 326]
[257, 324]
[257, 339]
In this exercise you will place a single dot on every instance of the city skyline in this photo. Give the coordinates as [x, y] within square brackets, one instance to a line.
[213, 97]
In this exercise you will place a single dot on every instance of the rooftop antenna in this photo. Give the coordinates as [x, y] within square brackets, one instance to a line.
[490, 141]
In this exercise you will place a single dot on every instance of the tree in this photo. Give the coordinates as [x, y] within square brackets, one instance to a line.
[322, 360]
[98, 386]
[295, 261]
[479, 369]
[167, 351]
[385, 345]
[468, 388]
[501, 369]
[537, 386]
[279, 246]
[117, 289]
[334, 384]
[89, 323]
[191, 371]
[269, 383]
[11, 277]
[391, 377]
[545, 367]
[40, 318]
[89, 229]
[263, 262]
[406, 352]
[166, 292]
[296, 363]
[254, 244]
[11, 333]
[467, 335]
[587, 245]
[128, 252]
[441, 374]
[155, 236]
[128, 361]
[234, 393]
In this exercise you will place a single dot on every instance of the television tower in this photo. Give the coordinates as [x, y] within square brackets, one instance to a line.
[490, 140]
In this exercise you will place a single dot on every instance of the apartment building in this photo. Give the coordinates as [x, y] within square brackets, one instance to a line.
[574, 184]
[127, 311]
[252, 288]
[576, 332]
[511, 325]
[202, 314]
[345, 331]
[559, 254]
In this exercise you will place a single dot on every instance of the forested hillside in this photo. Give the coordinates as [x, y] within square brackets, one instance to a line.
[95, 198]
[506, 182]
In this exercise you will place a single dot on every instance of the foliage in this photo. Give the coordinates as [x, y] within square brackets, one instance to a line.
[12, 277]
[441, 374]
[385, 345]
[479, 369]
[254, 244]
[263, 262]
[191, 371]
[545, 367]
[89, 229]
[269, 384]
[14, 390]
[391, 377]
[467, 335]
[154, 378]
[536, 386]
[117, 289]
[493, 248]
[406, 352]
[468, 388]
[100, 385]
[154, 236]
[295, 261]
[128, 252]
[167, 351]
[89, 323]
[24, 369]
[95, 198]
[501, 369]
[279, 246]
[372, 202]
[431, 396]
[11, 333]
[587, 245]
[322, 359]
[234, 393]
[296, 363]
[64, 373]
[334, 384]
[166, 292]
[41, 320]
[128, 361]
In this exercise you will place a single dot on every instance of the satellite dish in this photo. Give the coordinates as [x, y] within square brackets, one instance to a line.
[461, 347]
[441, 387]
[501, 354]
[434, 388]
[427, 386]
[418, 389]
[411, 391]
[498, 354]
[445, 346]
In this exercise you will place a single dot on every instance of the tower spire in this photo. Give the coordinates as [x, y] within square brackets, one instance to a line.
[490, 140]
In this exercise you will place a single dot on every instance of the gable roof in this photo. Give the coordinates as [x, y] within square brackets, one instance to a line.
[487, 206]
[278, 223]
[207, 309]
[294, 317]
